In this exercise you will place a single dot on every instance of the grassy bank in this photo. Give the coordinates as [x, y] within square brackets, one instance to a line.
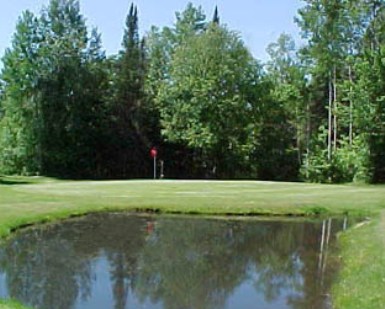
[361, 282]
[26, 201]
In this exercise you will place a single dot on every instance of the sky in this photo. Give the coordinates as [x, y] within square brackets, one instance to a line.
[259, 22]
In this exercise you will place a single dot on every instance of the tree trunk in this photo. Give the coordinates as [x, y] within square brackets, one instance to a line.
[308, 124]
[298, 137]
[350, 109]
[330, 123]
[335, 103]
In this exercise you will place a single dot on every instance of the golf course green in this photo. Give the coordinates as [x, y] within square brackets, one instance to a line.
[361, 282]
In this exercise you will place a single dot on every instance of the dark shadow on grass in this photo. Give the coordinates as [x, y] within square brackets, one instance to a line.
[7, 182]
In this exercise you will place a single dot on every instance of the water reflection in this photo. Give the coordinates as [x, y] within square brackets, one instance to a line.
[124, 261]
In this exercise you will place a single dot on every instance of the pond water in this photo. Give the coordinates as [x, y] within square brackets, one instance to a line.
[140, 261]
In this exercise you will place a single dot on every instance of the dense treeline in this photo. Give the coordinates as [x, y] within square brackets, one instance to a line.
[195, 92]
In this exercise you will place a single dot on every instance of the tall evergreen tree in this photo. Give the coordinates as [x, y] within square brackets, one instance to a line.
[216, 19]
[131, 132]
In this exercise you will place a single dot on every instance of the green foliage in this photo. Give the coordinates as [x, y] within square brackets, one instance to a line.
[18, 126]
[287, 118]
[12, 304]
[353, 161]
[209, 101]
[370, 112]
[194, 91]
[350, 163]
[53, 89]
[316, 167]
[71, 91]
[344, 61]
[133, 128]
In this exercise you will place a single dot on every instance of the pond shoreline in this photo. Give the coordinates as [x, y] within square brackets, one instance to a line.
[47, 200]
[52, 218]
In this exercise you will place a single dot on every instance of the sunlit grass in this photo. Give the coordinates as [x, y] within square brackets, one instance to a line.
[361, 283]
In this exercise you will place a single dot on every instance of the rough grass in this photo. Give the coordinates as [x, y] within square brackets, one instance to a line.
[26, 201]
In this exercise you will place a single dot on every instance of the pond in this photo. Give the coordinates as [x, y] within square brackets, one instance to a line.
[141, 261]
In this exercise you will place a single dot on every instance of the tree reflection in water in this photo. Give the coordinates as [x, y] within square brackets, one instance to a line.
[170, 262]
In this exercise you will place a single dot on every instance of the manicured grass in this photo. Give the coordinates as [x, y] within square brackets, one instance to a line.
[29, 200]
[361, 282]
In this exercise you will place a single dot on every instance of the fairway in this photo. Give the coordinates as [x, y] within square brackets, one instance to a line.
[20, 200]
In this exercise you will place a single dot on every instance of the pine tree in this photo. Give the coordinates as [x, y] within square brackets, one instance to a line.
[130, 135]
[216, 19]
